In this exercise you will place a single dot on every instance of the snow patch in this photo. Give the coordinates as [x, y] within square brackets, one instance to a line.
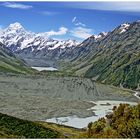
[36, 43]
[26, 42]
[124, 27]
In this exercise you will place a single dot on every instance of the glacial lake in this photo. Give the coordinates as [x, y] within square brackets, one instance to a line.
[45, 68]
[101, 109]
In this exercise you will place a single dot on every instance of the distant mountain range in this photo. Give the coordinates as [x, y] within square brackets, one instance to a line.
[32, 45]
[111, 58]
[27, 44]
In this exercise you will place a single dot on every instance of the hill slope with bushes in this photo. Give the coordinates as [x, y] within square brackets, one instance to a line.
[11, 127]
[124, 122]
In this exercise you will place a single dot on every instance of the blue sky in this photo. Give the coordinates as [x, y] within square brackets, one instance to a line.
[69, 20]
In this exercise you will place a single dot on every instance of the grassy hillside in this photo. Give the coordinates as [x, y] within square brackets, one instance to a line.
[9, 63]
[115, 59]
[65, 131]
[11, 127]
[113, 70]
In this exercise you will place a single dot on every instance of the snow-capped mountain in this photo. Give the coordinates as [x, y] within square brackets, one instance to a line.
[15, 36]
[28, 44]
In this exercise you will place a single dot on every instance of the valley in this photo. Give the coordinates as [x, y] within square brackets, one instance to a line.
[110, 57]
[64, 88]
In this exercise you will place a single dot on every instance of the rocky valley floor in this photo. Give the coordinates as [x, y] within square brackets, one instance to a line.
[40, 98]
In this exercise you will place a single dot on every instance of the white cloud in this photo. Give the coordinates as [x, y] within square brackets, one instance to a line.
[80, 24]
[48, 13]
[76, 22]
[61, 31]
[81, 32]
[74, 19]
[121, 6]
[16, 5]
[132, 6]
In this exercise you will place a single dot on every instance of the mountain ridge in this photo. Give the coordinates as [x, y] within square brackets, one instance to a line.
[112, 60]
[27, 43]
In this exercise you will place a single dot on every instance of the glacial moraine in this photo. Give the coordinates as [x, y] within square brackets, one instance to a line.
[41, 98]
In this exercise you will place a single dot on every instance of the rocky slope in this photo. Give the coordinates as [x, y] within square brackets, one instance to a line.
[40, 98]
[114, 59]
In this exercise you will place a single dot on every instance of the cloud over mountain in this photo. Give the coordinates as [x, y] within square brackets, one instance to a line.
[17, 5]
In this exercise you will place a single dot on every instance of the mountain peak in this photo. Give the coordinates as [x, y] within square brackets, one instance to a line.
[15, 26]
[102, 34]
[125, 24]
[99, 36]
[123, 27]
